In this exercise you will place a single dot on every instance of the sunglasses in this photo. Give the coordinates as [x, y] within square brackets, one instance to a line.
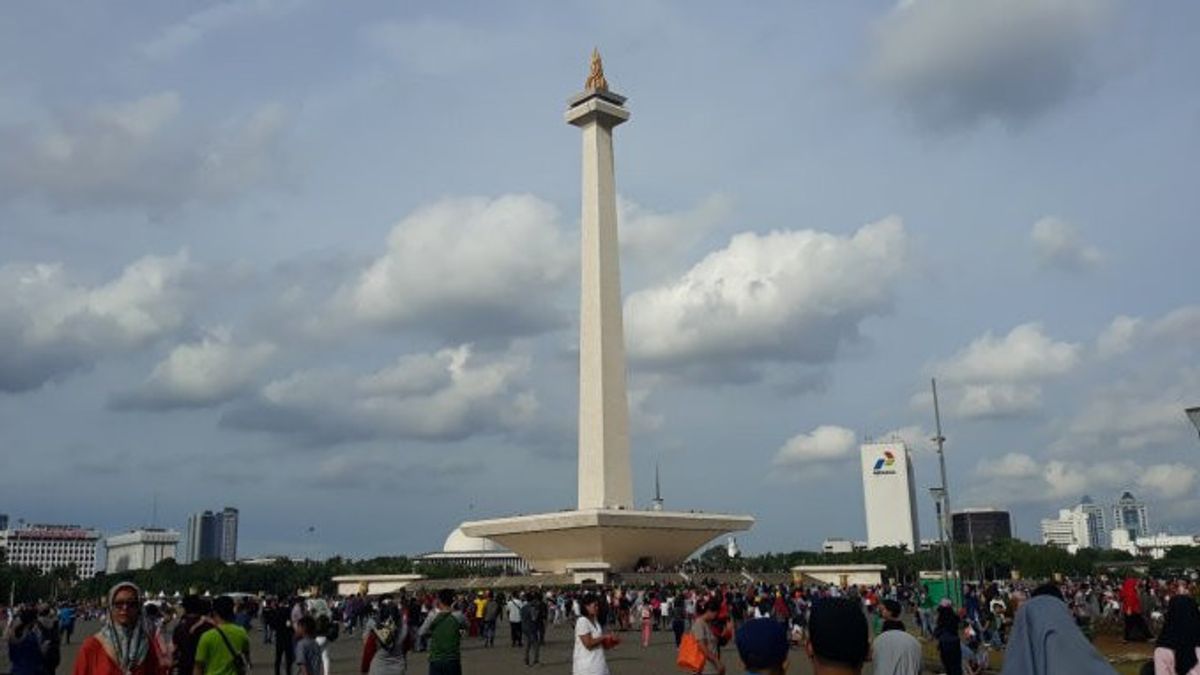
[126, 604]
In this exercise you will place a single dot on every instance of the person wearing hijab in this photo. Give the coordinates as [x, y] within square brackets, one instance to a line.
[1136, 629]
[945, 632]
[389, 638]
[1046, 641]
[122, 646]
[1177, 651]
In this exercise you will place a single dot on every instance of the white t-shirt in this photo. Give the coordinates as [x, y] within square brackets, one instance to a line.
[588, 661]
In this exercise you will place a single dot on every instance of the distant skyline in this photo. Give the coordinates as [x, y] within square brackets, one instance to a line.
[321, 262]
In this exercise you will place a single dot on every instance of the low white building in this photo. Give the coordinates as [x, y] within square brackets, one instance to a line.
[1070, 530]
[373, 584]
[839, 575]
[139, 549]
[49, 546]
[1154, 546]
[466, 551]
[837, 545]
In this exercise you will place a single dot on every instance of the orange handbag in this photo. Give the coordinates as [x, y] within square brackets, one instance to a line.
[690, 658]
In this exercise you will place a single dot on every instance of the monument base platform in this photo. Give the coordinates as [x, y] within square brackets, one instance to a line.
[606, 539]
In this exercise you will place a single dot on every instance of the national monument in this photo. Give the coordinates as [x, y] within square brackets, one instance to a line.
[605, 533]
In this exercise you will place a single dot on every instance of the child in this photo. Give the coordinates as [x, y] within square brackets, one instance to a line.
[308, 652]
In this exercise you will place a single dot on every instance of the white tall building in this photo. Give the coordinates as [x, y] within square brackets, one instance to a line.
[1097, 525]
[139, 549]
[49, 546]
[889, 496]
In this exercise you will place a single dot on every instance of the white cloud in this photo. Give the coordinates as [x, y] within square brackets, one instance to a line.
[435, 46]
[199, 374]
[140, 154]
[1025, 354]
[982, 401]
[654, 242]
[1059, 245]
[825, 443]
[954, 64]
[51, 326]
[466, 268]
[1013, 465]
[996, 377]
[1133, 415]
[1168, 481]
[182, 35]
[1118, 338]
[1019, 478]
[795, 295]
[450, 394]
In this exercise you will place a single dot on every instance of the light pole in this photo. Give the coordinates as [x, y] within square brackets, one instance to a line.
[938, 494]
[945, 502]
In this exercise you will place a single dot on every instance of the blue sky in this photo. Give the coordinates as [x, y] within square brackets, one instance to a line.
[319, 261]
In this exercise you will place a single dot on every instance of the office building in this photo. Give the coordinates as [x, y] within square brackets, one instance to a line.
[139, 549]
[980, 526]
[1129, 514]
[212, 535]
[1097, 526]
[3, 521]
[889, 496]
[47, 547]
[1066, 531]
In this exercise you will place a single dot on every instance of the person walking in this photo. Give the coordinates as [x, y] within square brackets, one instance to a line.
[282, 632]
[121, 647]
[678, 619]
[308, 652]
[949, 646]
[702, 630]
[444, 627]
[590, 641]
[26, 645]
[389, 638]
[224, 650]
[530, 630]
[66, 622]
[491, 612]
[187, 634]
[513, 609]
[894, 651]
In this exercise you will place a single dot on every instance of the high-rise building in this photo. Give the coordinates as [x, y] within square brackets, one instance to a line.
[212, 536]
[889, 496]
[3, 521]
[1129, 514]
[1081, 526]
[1097, 527]
[49, 546]
[980, 526]
[139, 549]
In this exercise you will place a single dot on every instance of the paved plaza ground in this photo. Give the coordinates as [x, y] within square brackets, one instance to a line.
[627, 659]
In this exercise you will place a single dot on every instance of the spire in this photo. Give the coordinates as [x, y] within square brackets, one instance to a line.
[595, 78]
[658, 500]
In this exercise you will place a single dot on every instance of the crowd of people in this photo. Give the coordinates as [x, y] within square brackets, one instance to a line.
[1041, 630]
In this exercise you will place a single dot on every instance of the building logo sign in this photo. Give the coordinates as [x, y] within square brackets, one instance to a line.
[884, 465]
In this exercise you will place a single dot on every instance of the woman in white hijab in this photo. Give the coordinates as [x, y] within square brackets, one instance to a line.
[122, 646]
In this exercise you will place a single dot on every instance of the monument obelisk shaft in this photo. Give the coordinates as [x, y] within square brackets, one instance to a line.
[605, 479]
